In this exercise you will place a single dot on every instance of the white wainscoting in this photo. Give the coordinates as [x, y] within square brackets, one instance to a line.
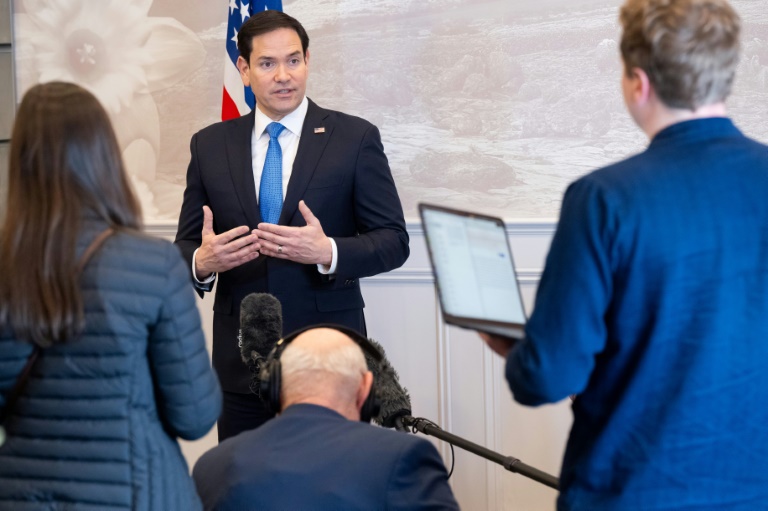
[454, 379]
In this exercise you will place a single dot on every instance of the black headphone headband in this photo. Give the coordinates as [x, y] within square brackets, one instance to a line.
[356, 336]
[271, 372]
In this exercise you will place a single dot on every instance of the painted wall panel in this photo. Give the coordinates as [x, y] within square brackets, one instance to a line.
[7, 99]
[5, 22]
[400, 316]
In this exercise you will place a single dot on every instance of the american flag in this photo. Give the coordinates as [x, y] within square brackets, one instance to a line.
[238, 100]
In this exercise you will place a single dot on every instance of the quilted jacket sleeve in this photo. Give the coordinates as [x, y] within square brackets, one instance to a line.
[188, 392]
[13, 357]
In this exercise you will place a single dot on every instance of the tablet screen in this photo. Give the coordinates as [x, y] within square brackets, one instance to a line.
[473, 266]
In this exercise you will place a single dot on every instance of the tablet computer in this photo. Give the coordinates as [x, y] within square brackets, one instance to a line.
[474, 271]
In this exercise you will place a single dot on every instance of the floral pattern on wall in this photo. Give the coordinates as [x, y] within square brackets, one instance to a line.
[121, 54]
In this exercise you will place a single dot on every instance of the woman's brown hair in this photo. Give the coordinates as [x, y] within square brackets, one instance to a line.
[64, 163]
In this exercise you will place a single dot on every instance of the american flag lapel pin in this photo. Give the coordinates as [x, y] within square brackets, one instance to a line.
[321, 129]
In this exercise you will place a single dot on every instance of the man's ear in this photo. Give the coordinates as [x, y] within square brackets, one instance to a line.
[641, 89]
[242, 66]
[364, 389]
[306, 58]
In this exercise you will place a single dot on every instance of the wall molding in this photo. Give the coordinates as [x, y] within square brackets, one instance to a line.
[405, 275]
[161, 229]
[421, 274]
[515, 227]
[444, 387]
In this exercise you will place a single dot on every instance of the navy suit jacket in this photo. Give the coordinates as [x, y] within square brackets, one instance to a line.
[312, 458]
[653, 308]
[342, 174]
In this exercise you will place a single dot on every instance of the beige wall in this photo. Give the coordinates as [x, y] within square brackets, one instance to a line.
[7, 97]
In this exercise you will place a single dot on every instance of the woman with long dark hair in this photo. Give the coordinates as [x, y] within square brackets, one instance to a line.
[102, 358]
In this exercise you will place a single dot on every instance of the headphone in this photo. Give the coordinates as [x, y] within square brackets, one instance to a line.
[271, 371]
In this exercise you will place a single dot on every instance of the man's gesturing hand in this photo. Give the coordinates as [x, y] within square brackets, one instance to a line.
[306, 245]
[223, 252]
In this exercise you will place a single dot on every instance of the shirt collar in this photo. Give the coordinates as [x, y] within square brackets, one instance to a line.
[696, 130]
[301, 409]
[293, 122]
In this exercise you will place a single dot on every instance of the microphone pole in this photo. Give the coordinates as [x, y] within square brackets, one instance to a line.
[508, 462]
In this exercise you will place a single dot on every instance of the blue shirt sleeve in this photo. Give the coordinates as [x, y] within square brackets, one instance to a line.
[567, 328]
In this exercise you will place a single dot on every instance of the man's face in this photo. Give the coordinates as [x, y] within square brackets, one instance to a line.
[277, 72]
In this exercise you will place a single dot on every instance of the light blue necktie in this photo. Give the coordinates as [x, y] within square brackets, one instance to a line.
[271, 187]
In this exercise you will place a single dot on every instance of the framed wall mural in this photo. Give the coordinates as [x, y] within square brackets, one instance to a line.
[490, 105]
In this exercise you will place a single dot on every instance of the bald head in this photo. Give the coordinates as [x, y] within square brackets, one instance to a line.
[325, 367]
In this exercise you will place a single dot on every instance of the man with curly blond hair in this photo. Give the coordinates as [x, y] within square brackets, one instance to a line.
[653, 306]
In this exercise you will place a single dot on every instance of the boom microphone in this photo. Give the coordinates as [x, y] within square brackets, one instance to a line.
[261, 326]
[395, 401]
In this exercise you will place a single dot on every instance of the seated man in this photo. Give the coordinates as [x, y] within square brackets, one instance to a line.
[317, 454]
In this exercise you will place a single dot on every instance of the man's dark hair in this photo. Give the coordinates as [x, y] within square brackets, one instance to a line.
[264, 22]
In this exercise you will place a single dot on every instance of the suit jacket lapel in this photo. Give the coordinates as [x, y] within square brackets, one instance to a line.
[311, 147]
[241, 166]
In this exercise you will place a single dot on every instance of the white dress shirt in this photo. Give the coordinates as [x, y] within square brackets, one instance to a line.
[289, 144]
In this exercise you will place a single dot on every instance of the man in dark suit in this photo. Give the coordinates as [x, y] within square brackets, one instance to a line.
[291, 199]
[318, 454]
